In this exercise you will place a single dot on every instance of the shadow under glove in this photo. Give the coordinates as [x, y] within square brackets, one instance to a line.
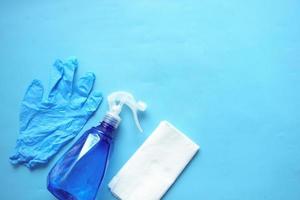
[47, 124]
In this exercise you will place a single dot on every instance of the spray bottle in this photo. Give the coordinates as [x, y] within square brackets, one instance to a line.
[79, 172]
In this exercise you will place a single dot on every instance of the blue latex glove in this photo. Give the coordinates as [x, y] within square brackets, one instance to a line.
[47, 124]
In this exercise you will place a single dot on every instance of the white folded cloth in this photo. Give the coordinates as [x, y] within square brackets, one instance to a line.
[154, 167]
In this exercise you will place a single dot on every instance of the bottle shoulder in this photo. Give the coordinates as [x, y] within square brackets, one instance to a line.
[101, 133]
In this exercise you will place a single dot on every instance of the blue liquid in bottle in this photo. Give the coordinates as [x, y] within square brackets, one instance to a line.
[79, 173]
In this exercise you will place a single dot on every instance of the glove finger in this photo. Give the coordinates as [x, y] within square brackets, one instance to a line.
[34, 93]
[32, 164]
[93, 102]
[70, 68]
[85, 85]
[56, 76]
[18, 159]
[14, 158]
[83, 89]
[65, 84]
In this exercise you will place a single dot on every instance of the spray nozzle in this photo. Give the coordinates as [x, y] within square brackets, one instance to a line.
[116, 101]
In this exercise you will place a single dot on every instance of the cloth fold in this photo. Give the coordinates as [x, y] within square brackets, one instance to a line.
[154, 167]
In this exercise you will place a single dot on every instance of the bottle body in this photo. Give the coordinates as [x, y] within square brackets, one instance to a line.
[79, 173]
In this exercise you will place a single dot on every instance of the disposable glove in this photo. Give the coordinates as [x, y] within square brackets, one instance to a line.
[49, 122]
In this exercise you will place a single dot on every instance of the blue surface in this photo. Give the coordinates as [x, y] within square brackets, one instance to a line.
[227, 73]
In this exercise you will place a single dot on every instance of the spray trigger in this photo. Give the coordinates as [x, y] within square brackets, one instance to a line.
[116, 101]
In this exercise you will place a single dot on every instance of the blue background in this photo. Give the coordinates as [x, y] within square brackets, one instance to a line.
[227, 73]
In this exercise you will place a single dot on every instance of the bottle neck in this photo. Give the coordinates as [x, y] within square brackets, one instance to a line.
[108, 125]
